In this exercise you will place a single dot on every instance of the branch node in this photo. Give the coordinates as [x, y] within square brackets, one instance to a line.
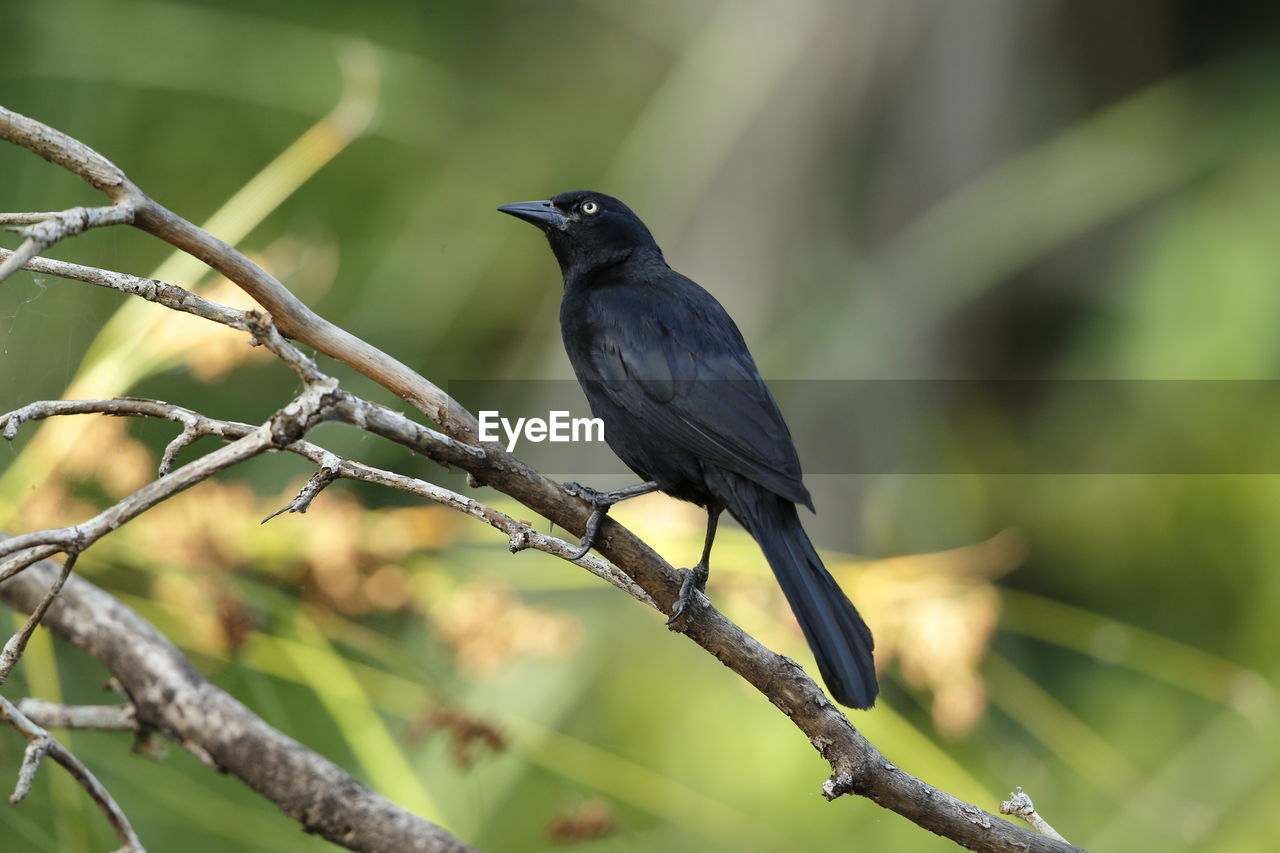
[191, 432]
[520, 539]
[263, 332]
[316, 483]
[11, 421]
[838, 785]
[1019, 805]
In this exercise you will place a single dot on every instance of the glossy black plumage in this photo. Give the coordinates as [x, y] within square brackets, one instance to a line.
[666, 369]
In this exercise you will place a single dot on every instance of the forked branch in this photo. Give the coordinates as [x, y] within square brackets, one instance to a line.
[40, 745]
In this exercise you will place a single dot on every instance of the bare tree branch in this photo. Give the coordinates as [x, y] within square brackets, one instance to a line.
[294, 318]
[61, 150]
[282, 429]
[857, 767]
[55, 715]
[150, 289]
[377, 419]
[41, 744]
[52, 227]
[20, 559]
[18, 642]
[1020, 804]
[521, 537]
[27, 218]
[170, 697]
[315, 484]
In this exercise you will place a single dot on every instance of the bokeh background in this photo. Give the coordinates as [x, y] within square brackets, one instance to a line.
[877, 189]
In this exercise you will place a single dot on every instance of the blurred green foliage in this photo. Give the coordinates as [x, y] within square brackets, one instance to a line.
[874, 189]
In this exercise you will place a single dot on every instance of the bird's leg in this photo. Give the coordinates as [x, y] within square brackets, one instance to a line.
[600, 503]
[695, 579]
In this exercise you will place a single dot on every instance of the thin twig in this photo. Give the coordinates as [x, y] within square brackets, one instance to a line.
[122, 406]
[55, 715]
[161, 293]
[315, 484]
[18, 642]
[1019, 804]
[520, 536]
[191, 432]
[52, 227]
[282, 429]
[41, 744]
[27, 218]
[21, 559]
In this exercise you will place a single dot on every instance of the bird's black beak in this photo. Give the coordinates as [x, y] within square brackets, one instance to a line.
[544, 214]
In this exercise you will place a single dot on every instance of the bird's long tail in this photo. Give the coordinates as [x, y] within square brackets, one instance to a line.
[839, 639]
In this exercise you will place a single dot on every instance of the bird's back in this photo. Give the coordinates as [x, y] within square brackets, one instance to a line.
[666, 369]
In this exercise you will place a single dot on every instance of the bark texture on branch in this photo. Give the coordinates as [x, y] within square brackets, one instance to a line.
[171, 697]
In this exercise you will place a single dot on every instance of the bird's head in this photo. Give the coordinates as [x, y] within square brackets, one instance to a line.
[586, 229]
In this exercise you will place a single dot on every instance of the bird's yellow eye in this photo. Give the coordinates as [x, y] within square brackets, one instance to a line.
[590, 207]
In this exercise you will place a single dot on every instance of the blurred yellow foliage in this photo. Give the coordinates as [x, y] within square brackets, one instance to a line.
[936, 613]
[488, 625]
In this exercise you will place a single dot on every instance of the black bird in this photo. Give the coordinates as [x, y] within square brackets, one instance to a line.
[667, 371]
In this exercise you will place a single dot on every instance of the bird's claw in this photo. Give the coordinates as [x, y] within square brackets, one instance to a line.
[600, 504]
[588, 540]
[693, 581]
[588, 494]
[589, 536]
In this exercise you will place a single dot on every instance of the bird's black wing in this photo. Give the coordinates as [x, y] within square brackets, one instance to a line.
[669, 354]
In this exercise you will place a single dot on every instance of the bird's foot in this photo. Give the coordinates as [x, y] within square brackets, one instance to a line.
[693, 581]
[600, 503]
[588, 494]
[589, 538]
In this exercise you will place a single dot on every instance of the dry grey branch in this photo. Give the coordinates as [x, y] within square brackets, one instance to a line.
[40, 744]
[191, 432]
[520, 536]
[60, 149]
[18, 642]
[26, 218]
[150, 289]
[857, 767]
[365, 415]
[52, 227]
[20, 559]
[315, 484]
[282, 429]
[294, 319]
[103, 718]
[55, 715]
[171, 698]
[135, 406]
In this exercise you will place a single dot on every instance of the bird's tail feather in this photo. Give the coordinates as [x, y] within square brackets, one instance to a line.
[839, 639]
